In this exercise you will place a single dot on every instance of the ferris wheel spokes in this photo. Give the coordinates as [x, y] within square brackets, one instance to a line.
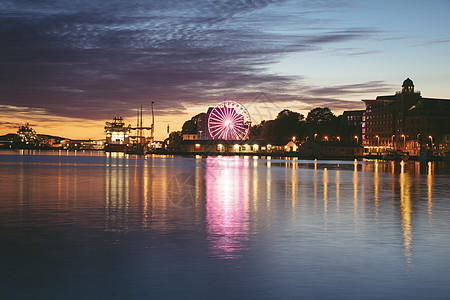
[229, 120]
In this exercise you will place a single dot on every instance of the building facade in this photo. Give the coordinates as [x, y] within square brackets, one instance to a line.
[406, 121]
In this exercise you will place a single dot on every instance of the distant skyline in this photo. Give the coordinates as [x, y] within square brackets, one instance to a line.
[67, 67]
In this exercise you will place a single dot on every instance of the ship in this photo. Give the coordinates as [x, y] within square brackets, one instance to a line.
[117, 135]
[141, 144]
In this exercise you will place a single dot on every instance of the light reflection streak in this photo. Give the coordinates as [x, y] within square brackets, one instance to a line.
[355, 194]
[198, 204]
[376, 186]
[294, 191]
[337, 191]
[227, 188]
[315, 186]
[325, 197]
[162, 204]
[146, 180]
[255, 179]
[430, 193]
[59, 184]
[117, 194]
[406, 210]
[269, 185]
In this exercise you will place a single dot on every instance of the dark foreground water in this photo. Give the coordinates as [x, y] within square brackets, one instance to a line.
[77, 225]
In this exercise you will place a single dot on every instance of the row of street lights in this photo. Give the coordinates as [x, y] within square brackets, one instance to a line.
[326, 138]
[378, 139]
[404, 140]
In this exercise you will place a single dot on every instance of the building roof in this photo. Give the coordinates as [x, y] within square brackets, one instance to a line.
[233, 142]
[353, 112]
[442, 105]
[408, 82]
[389, 97]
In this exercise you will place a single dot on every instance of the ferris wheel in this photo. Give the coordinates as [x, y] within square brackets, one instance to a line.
[229, 120]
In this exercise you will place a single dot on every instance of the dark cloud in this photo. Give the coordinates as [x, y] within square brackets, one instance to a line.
[94, 58]
[10, 125]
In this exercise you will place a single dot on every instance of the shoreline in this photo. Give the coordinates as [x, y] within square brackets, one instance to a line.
[259, 155]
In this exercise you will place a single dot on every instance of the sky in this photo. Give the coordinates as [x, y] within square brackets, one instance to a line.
[67, 67]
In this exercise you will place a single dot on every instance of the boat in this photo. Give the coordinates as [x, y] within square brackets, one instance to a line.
[117, 135]
[142, 143]
[139, 149]
[396, 155]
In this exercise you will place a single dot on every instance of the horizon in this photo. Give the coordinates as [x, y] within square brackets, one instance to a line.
[68, 68]
[67, 137]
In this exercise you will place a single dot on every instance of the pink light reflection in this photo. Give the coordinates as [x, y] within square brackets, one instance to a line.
[227, 204]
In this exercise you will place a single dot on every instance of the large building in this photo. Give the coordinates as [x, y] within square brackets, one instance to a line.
[406, 121]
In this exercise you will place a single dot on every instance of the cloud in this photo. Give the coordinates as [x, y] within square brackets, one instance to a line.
[435, 42]
[10, 125]
[95, 58]
[372, 87]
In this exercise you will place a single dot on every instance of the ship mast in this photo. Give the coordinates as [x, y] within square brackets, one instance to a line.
[141, 131]
[153, 125]
[137, 125]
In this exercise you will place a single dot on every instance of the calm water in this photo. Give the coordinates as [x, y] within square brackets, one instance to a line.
[77, 225]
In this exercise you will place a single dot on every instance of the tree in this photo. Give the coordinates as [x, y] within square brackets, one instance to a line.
[195, 124]
[320, 115]
[174, 140]
[286, 125]
[287, 114]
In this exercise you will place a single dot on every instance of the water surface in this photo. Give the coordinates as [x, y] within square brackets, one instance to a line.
[93, 225]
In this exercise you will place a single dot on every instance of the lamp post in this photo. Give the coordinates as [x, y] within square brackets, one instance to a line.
[404, 142]
[418, 143]
[326, 138]
[356, 137]
[393, 141]
[338, 138]
[378, 140]
[315, 134]
[431, 138]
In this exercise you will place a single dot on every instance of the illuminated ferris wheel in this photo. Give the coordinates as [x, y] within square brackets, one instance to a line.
[229, 120]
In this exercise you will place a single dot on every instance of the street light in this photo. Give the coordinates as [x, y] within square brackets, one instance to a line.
[356, 137]
[378, 143]
[418, 142]
[338, 138]
[293, 138]
[326, 138]
[431, 138]
[404, 141]
[315, 134]
[393, 140]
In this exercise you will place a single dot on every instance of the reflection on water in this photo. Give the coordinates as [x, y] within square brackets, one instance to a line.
[227, 204]
[405, 207]
[363, 223]
[117, 192]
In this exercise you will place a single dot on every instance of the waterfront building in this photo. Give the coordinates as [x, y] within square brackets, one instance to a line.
[406, 121]
[354, 117]
[231, 146]
[291, 146]
[191, 137]
[354, 122]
